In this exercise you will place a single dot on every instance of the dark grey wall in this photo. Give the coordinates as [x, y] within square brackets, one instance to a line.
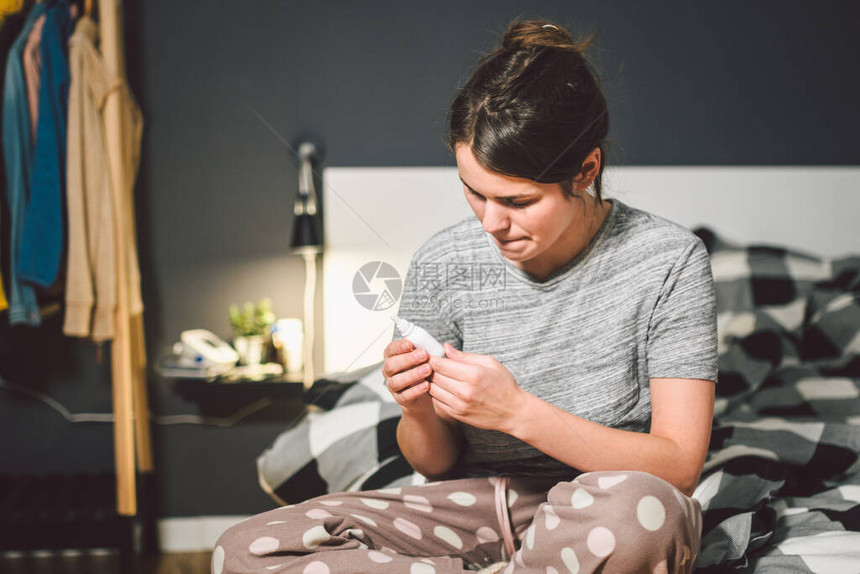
[225, 86]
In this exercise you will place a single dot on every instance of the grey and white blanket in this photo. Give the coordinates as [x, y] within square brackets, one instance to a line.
[781, 486]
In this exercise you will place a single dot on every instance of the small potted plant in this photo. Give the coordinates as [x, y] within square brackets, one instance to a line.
[252, 326]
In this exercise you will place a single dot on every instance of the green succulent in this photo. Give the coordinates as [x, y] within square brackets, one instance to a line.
[252, 319]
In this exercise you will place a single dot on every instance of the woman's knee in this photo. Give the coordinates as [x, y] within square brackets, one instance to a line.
[245, 546]
[630, 520]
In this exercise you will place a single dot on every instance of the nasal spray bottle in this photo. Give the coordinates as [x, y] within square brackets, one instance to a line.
[419, 337]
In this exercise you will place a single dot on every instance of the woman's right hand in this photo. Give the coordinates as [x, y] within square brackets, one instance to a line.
[406, 371]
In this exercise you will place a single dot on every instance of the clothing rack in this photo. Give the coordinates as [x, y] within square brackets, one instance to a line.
[46, 509]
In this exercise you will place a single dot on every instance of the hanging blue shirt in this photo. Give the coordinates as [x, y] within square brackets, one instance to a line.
[17, 151]
[43, 238]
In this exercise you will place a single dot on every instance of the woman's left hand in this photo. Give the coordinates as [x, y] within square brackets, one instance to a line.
[475, 389]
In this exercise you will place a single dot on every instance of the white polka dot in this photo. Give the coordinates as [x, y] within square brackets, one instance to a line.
[605, 482]
[390, 490]
[421, 568]
[428, 561]
[331, 502]
[651, 513]
[264, 545]
[448, 536]
[275, 566]
[551, 519]
[318, 513]
[571, 562]
[373, 503]
[379, 557]
[512, 497]
[530, 537]
[315, 536]
[462, 498]
[316, 567]
[364, 519]
[417, 503]
[218, 560]
[601, 541]
[272, 523]
[661, 568]
[407, 528]
[354, 532]
[551, 570]
[486, 534]
[581, 498]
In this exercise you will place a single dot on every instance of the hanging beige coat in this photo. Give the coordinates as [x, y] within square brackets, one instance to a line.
[94, 235]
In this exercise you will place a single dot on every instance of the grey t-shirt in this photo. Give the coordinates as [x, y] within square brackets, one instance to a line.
[638, 303]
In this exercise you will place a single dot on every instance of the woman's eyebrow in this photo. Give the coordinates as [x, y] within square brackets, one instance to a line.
[507, 197]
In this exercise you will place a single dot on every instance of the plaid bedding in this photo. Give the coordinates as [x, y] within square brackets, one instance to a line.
[781, 486]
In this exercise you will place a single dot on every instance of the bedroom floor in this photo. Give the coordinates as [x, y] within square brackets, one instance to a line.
[101, 562]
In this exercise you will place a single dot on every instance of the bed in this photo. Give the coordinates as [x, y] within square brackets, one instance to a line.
[781, 486]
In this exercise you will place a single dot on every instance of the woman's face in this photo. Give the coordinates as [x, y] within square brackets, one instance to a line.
[535, 225]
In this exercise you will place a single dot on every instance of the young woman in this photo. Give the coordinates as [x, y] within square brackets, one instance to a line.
[567, 425]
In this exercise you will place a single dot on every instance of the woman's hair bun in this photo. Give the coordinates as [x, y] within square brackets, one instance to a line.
[540, 33]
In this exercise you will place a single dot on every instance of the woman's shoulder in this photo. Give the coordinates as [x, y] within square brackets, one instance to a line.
[463, 240]
[638, 229]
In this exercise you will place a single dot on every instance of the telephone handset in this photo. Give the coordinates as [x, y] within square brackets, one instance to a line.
[210, 348]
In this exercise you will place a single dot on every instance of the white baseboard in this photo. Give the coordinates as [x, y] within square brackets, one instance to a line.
[193, 534]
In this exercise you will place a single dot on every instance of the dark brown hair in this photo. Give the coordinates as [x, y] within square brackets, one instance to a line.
[533, 107]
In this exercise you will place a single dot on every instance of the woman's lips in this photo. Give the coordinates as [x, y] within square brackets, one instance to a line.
[508, 241]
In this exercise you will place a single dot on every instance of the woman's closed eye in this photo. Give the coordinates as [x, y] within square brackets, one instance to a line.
[472, 192]
[516, 204]
[519, 205]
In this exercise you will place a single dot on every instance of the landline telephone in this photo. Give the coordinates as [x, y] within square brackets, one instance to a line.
[204, 349]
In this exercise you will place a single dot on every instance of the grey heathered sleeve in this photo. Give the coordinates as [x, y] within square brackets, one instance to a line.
[682, 335]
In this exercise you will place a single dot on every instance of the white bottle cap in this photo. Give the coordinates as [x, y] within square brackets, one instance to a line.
[404, 326]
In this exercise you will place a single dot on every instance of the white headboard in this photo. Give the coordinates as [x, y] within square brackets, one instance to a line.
[385, 214]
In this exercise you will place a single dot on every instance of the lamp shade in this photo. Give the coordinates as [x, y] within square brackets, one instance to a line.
[307, 234]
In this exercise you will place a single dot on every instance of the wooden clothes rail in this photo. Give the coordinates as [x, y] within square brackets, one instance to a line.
[132, 439]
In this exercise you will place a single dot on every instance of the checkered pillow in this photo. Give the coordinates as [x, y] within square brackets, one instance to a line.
[766, 301]
[352, 446]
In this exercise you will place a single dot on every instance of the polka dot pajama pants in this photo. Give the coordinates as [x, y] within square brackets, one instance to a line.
[601, 521]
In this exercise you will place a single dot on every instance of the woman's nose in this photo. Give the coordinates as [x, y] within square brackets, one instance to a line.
[495, 217]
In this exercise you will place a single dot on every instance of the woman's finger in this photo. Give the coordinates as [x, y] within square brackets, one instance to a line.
[454, 370]
[441, 394]
[412, 393]
[408, 378]
[404, 361]
[398, 348]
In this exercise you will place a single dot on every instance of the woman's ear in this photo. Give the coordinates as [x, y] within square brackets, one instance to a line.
[589, 171]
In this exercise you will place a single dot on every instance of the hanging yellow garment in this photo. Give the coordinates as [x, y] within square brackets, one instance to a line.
[8, 7]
